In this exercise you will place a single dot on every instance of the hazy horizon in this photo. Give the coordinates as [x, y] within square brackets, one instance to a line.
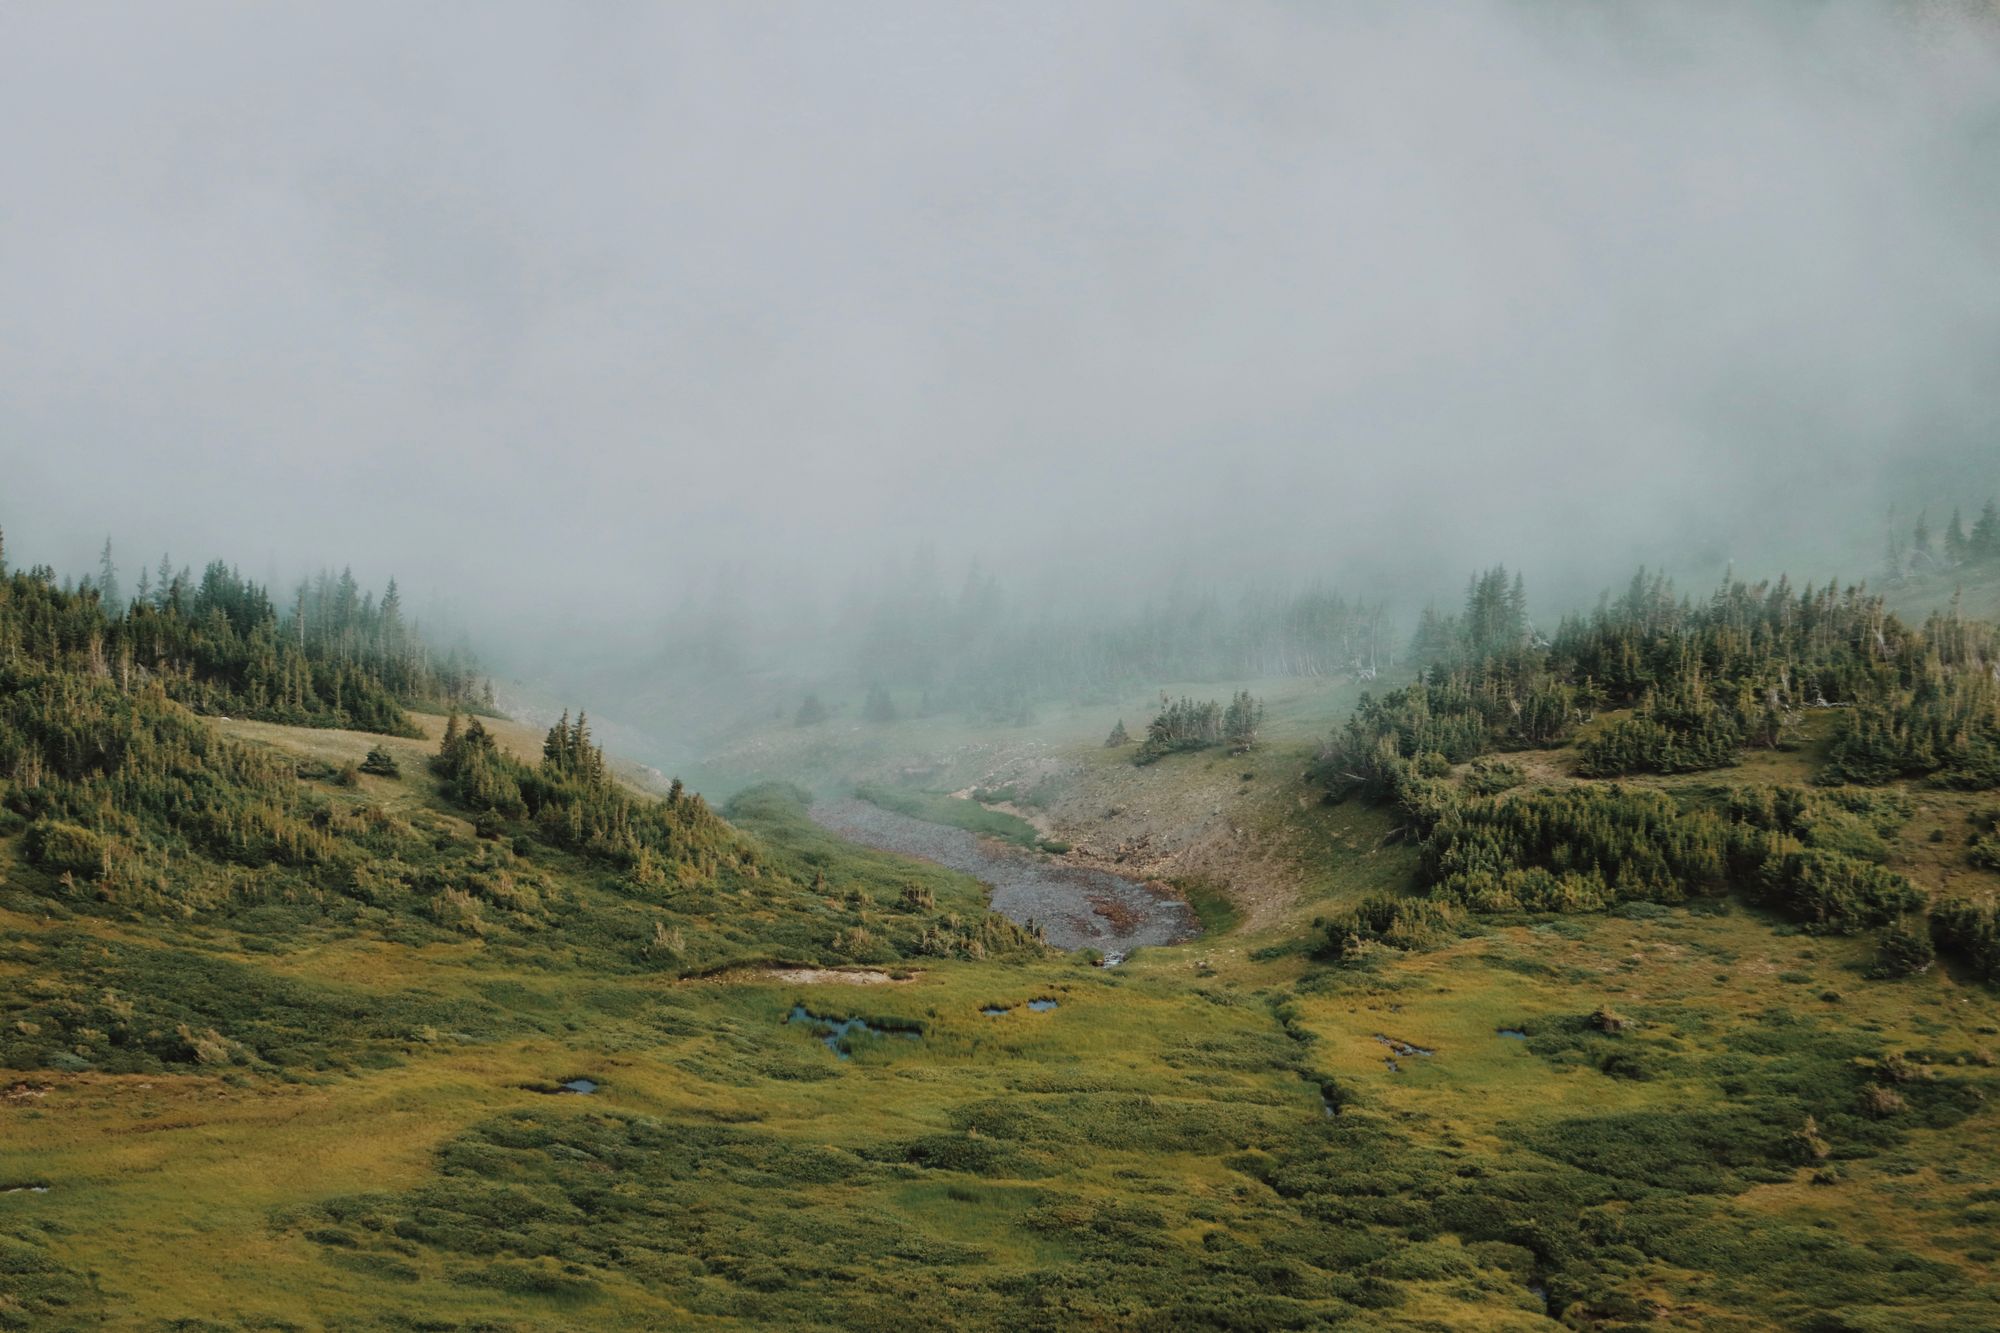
[558, 316]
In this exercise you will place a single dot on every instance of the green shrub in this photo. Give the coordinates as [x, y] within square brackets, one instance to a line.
[1906, 949]
[60, 848]
[1489, 777]
[1398, 923]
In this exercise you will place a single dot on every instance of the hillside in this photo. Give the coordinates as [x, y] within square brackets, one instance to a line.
[298, 1054]
[1683, 1067]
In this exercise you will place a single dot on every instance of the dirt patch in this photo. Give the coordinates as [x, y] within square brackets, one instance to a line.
[813, 976]
[819, 976]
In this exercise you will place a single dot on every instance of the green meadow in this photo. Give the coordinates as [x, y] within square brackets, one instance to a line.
[1208, 1136]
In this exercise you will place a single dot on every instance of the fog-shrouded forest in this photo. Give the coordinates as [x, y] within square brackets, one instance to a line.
[1138, 666]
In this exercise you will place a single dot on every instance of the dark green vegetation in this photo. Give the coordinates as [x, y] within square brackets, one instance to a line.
[1911, 704]
[1182, 726]
[218, 645]
[1704, 682]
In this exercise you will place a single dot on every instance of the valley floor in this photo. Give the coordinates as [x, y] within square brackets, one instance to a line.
[1586, 1119]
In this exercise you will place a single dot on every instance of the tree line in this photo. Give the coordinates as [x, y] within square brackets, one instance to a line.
[338, 657]
[1704, 680]
[1925, 550]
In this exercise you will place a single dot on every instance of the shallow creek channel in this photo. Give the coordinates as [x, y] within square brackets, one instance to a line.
[1076, 907]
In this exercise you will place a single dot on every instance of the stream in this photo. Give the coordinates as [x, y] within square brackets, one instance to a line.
[1076, 907]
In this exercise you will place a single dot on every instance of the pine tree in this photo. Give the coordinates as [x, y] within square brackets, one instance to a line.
[1954, 540]
[1432, 642]
[1241, 720]
[1920, 540]
[1119, 737]
[1984, 543]
[555, 746]
[454, 739]
[810, 711]
[107, 582]
[586, 759]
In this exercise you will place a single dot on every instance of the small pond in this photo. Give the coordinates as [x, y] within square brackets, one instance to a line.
[1513, 1034]
[1040, 1006]
[581, 1086]
[836, 1034]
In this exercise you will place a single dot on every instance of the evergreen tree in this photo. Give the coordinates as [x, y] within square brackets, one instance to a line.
[555, 746]
[1984, 544]
[1241, 720]
[107, 582]
[1955, 543]
[1433, 640]
[879, 707]
[1920, 539]
[811, 711]
[1181, 725]
[1119, 737]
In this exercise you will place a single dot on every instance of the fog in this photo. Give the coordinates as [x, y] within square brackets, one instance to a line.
[563, 314]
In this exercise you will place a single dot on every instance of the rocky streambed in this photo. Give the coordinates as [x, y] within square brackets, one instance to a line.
[1077, 907]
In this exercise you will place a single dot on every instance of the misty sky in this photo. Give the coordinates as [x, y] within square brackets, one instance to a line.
[557, 303]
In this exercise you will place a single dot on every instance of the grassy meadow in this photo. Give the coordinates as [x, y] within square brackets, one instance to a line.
[1209, 1136]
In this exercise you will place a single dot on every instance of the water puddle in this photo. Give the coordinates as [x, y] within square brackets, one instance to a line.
[1402, 1048]
[836, 1034]
[581, 1086]
[1513, 1034]
[1040, 1006]
[1075, 907]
